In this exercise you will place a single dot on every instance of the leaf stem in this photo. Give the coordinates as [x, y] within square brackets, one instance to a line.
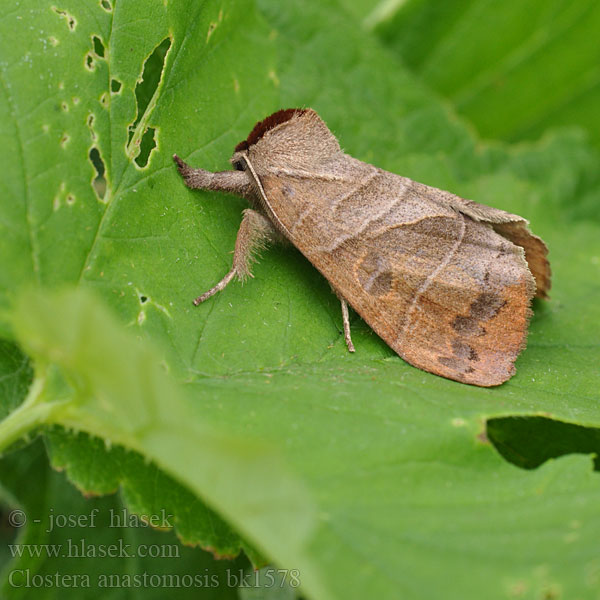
[32, 413]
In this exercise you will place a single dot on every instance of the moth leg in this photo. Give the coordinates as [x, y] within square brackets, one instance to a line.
[346, 321]
[232, 182]
[254, 233]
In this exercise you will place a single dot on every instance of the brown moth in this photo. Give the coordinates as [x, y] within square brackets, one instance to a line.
[446, 282]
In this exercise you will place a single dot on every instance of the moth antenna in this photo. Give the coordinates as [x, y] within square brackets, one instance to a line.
[267, 205]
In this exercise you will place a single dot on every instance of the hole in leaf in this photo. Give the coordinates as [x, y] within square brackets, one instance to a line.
[528, 442]
[104, 100]
[148, 143]
[115, 86]
[90, 63]
[99, 181]
[105, 4]
[148, 83]
[98, 46]
[64, 106]
[143, 299]
[70, 19]
[90, 123]
[64, 140]
[70, 199]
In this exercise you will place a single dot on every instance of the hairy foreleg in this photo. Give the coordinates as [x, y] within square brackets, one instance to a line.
[232, 182]
[255, 232]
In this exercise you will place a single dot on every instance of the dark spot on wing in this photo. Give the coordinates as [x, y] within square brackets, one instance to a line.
[451, 362]
[457, 365]
[486, 306]
[466, 326]
[381, 284]
[463, 350]
[460, 349]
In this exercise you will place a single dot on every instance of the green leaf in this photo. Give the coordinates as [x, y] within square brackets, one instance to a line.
[106, 383]
[68, 546]
[397, 475]
[132, 222]
[369, 476]
[15, 377]
[96, 468]
[514, 69]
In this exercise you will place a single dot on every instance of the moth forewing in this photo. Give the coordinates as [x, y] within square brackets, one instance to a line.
[443, 280]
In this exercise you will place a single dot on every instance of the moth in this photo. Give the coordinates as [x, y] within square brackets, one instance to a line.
[446, 282]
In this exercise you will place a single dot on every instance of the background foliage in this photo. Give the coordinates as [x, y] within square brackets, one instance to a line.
[245, 418]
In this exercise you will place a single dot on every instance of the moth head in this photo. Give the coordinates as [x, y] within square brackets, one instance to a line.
[262, 127]
[238, 162]
[291, 137]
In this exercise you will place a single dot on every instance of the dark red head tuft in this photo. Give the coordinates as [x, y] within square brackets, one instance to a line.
[281, 116]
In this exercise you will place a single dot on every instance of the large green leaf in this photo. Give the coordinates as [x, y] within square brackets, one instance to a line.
[373, 477]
